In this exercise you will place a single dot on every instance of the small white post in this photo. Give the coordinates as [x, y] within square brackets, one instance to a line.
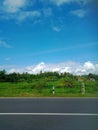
[83, 88]
[53, 90]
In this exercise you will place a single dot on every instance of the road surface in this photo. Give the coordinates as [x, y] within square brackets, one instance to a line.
[48, 113]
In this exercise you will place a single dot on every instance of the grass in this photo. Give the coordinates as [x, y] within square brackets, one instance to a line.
[24, 89]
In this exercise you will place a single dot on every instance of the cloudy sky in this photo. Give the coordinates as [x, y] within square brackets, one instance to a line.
[49, 35]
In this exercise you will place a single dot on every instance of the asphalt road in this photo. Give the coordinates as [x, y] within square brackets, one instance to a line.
[49, 114]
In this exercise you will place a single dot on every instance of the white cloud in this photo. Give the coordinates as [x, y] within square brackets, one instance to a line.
[80, 13]
[57, 29]
[18, 10]
[80, 71]
[71, 67]
[89, 66]
[4, 44]
[13, 6]
[96, 69]
[28, 14]
[66, 69]
[14, 70]
[60, 2]
[8, 68]
[36, 69]
[23, 15]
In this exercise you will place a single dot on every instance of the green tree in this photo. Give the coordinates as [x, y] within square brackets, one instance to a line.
[2, 76]
[13, 77]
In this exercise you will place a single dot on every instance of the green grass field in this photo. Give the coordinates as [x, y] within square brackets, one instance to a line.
[25, 89]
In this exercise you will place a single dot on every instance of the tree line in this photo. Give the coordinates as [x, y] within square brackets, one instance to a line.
[47, 76]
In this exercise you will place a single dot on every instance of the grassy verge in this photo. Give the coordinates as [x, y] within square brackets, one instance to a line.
[25, 89]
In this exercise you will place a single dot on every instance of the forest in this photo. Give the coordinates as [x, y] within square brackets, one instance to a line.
[47, 84]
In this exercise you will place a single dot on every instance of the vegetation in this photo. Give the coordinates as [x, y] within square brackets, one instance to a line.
[30, 85]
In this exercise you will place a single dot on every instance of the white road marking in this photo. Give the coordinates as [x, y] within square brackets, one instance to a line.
[49, 114]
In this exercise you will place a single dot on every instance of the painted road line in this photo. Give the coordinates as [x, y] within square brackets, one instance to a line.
[49, 114]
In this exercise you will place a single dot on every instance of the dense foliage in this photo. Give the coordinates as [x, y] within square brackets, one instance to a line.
[44, 82]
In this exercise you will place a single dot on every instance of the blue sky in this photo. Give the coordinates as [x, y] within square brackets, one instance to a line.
[49, 31]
